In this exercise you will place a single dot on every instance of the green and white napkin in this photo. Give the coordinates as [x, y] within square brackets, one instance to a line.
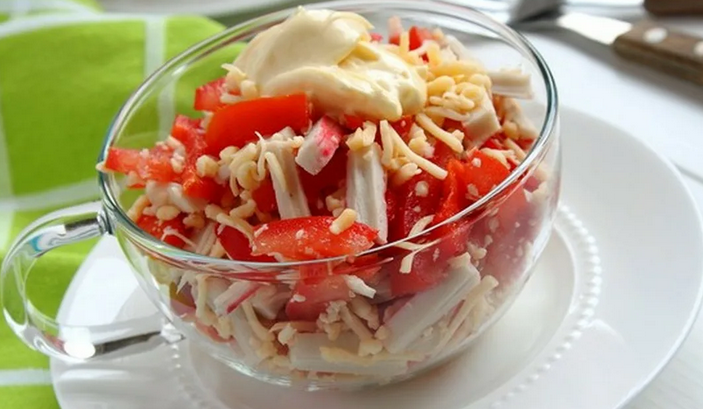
[65, 70]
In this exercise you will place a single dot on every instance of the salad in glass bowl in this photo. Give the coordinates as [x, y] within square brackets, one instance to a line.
[358, 206]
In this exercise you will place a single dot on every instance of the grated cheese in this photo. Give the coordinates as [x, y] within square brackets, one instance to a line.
[424, 164]
[355, 324]
[298, 326]
[449, 139]
[364, 310]
[248, 89]
[194, 220]
[406, 263]
[237, 223]
[420, 225]
[382, 333]
[475, 295]
[287, 334]
[335, 200]
[496, 154]
[217, 251]
[405, 173]
[422, 189]
[167, 212]
[358, 286]
[519, 153]
[137, 208]
[363, 137]
[370, 347]
[345, 220]
[444, 112]
[244, 211]
[440, 85]
[259, 330]
[206, 166]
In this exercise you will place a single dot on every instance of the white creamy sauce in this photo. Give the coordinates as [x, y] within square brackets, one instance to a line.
[329, 56]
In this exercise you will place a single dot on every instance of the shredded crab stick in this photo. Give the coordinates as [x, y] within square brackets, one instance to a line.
[320, 141]
[320, 145]
[366, 188]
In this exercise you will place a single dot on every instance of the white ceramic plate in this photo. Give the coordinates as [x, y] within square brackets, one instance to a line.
[213, 8]
[612, 299]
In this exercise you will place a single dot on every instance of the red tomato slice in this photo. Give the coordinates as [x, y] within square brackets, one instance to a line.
[484, 172]
[418, 35]
[236, 246]
[265, 196]
[453, 193]
[186, 130]
[352, 122]
[154, 165]
[207, 97]
[391, 206]
[160, 229]
[376, 37]
[236, 125]
[315, 297]
[198, 187]
[442, 154]
[493, 143]
[308, 238]
[403, 125]
[412, 207]
[426, 272]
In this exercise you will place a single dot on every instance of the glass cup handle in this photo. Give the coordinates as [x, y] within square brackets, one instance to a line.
[43, 333]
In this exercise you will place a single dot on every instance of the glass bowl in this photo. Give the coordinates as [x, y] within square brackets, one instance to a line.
[483, 255]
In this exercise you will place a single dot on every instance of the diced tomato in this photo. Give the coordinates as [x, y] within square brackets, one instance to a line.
[453, 193]
[394, 38]
[160, 229]
[155, 164]
[418, 35]
[376, 37]
[442, 154]
[199, 187]
[236, 246]
[451, 125]
[412, 207]
[307, 238]
[429, 266]
[526, 144]
[315, 297]
[352, 122]
[265, 196]
[316, 187]
[425, 273]
[365, 267]
[314, 273]
[237, 124]
[391, 206]
[532, 183]
[186, 130]
[484, 172]
[207, 97]
[403, 125]
[493, 143]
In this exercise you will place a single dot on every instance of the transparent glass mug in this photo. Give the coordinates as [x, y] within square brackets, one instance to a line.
[486, 252]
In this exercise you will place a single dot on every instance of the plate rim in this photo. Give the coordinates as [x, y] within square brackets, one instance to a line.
[685, 330]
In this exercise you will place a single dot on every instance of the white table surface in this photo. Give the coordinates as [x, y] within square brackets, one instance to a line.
[668, 114]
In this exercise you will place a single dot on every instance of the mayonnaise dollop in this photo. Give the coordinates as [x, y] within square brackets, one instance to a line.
[329, 56]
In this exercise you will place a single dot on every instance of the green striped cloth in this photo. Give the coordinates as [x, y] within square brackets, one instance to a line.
[65, 70]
